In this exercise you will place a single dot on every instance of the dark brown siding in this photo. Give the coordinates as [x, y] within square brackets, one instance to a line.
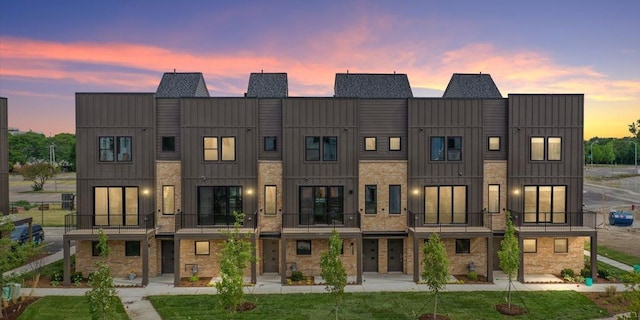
[495, 125]
[445, 117]
[270, 115]
[383, 118]
[4, 162]
[320, 117]
[220, 117]
[115, 114]
[546, 116]
[168, 125]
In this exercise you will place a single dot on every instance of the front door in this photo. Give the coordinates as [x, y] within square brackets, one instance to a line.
[167, 256]
[370, 255]
[394, 255]
[270, 255]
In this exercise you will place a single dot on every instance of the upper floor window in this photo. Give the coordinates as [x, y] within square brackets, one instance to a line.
[216, 148]
[370, 144]
[270, 143]
[494, 198]
[544, 204]
[321, 205]
[553, 148]
[115, 206]
[325, 146]
[115, 148]
[394, 199]
[394, 144]
[168, 144]
[216, 205]
[270, 199]
[494, 143]
[537, 148]
[370, 199]
[168, 199]
[445, 204]
[451, 151]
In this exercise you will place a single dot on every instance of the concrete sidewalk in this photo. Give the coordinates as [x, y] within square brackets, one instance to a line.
[611, 262]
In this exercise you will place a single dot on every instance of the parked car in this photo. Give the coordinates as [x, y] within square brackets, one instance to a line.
[21, 233]
[620, 218]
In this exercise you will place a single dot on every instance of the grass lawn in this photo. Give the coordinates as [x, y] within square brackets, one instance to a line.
[46, 218]
[545, 305]
[64, 308]
[618, 256]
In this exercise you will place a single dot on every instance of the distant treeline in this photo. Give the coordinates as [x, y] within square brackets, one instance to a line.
[32, 147]
[610, 150]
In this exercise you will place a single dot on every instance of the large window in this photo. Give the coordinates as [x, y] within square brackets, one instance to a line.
[223, 148]
[270, 200]
[545, 204]
[494, 198]
[446, 148]
[553, 148]
[445, 204]
[168, 199]
[370, 199]
[115, 206]
[216, 205]
[314, 148]
[115, 148]
[394, 199]
[321, 205]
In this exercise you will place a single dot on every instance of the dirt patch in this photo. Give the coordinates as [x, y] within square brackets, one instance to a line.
[201, 282]
[613, 303]
[15, 309]
[619, 238]
[466, 280]
[429, 316]
[515, 310]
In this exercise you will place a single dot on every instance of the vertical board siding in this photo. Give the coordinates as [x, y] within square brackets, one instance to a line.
[168, 125]
[383, 118]
[551, 115]
[495, 113]
[220, 117]
[270, 122]
[4, 161]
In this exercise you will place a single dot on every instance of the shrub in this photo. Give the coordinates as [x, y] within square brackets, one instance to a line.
[567, 273]
[76, 276]
[610, 290]
[296, 275]
[585, 272]
[57, 276]
[604, 273]
[24, 203]
[472, 275]
[194, 278]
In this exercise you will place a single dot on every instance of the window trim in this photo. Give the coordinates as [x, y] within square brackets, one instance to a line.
[399, 211]
[399, 143]
[566, 245]
[369, 203]
[535, 245]
[489, 143]
[127, 247]
[303, 253]
[460, 248]
[275, 143]
[375, 144]
[200, 251]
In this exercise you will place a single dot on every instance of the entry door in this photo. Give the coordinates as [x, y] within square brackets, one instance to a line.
[370, 255]
[394, 254]
[496, 248]
[270, 255]
[167, 256]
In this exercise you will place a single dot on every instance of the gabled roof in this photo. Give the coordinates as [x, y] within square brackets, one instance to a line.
[268, 85]
[182, 84]
[366, 85]
[471, 85]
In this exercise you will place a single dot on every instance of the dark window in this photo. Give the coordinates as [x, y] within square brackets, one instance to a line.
[445, 204]
[115, 206]
[107, 149]
[303, 247]
[494, 143]
[370, 144]
[124, 149]
[168, 144]
[216, 205]
[330, 149]
[370, 199]
[394, 144]
[270, 144]
[95, 249]
[529, 245]
[545, 204]
[321, 205]
[394, 199]
[437, 148]
[454, 148]
[463, 245]
[312, 148]
[132, 248]
[451, 151]
[115, 148]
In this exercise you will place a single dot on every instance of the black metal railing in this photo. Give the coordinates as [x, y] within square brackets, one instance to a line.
[548, 221]
[466, 221]
[117, 223]
[324, 220]
[204, 222]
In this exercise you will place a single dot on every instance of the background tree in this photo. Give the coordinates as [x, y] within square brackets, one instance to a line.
[236, 253]
[65, 148]
[27, 147]
[102, 296]
[634, 128]
[39, 173]
[509, 255]
[332, 270]
[435, 266]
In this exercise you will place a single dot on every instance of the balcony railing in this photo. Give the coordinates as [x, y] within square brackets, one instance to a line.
[472, 222]
[547, 221]
[113, 223]
[204, 222]
[325, 220]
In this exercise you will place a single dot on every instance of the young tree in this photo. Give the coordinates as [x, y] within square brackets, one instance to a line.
[435, 266]
[102, 296]
[39, 173]
[236, 253]
[509, 255]
[332, 269]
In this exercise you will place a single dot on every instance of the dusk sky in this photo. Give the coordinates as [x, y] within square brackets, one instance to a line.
[49, 50]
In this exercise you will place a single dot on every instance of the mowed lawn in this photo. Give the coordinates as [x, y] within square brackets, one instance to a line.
[65, 308]
[545, 305]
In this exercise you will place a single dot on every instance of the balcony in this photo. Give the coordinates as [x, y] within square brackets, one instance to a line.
[309, 222]
[474, 222]
[554, 222]
[76, 223]
[216, 223]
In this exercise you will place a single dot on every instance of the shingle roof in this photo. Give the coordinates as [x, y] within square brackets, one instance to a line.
[471, 85]
[364, 85]
[182, 84]
[268, 85]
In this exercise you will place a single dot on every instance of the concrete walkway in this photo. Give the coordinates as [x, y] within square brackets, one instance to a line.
[611, 262]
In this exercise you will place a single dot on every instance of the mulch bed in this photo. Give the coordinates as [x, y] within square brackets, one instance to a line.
[15, 309]
[481, 279]
[614, 303]
[306, 281]
[202, 282]
[429, 316]
[245, 306]
[515, 310]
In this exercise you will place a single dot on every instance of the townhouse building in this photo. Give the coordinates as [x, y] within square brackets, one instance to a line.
[4, 158]
[162, 174]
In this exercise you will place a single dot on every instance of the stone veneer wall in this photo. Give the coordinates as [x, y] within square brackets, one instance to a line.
[458, 262]
[382, 174]
[546, 261]
[310, 265]
[168, 174]
[120, 264]
[495, 172]
[269, 174]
